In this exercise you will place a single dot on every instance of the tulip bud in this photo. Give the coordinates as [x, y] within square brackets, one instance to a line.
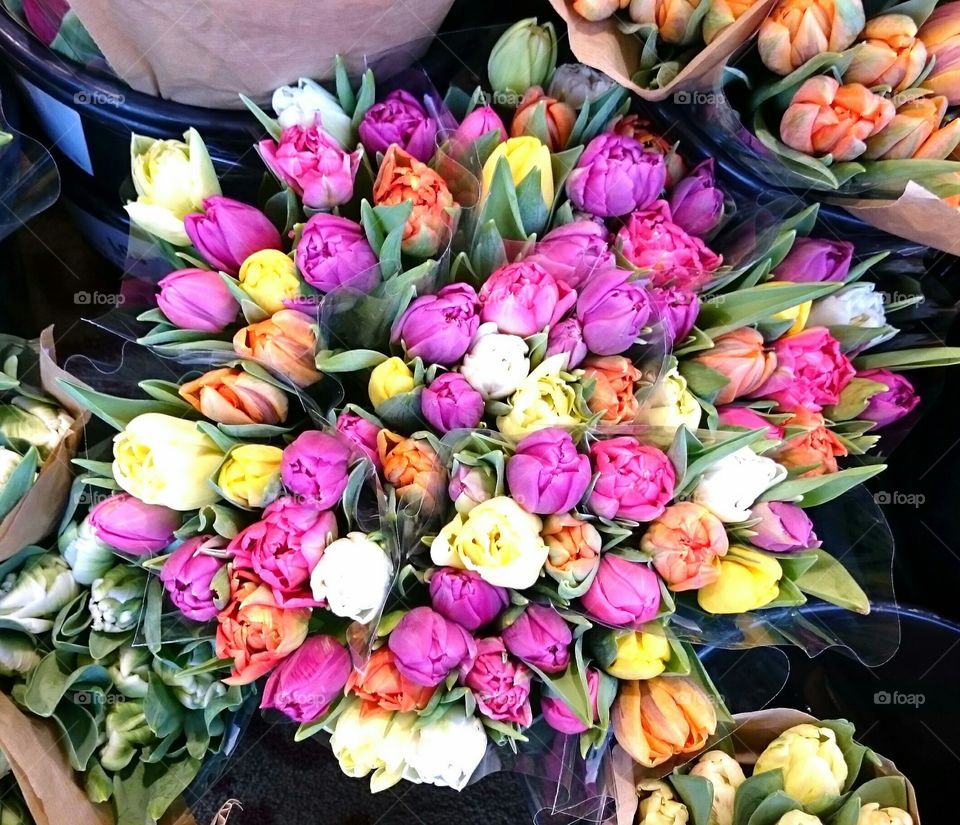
[481, 121]
[658, 806]
[26, 422]
[797, 817]
[126, 729]
[798, 30]
[891, 54]
[399, 120]
[127, 524]
[940, 33]
[449, 750]
[541, 637]
[270, 278]
[725, 776]
[130, 671]
[623, 593]
[309, 104]
[334, 252]
[695, 202]
[547, 474]
[873, 814]
[9, 461]
[197, 300]
[524, 155]
[916, 132]
[576, 84]
[524, 56]
[856, 305]
[469, 486]
[720, 15]
[815, 260]
[427, 647]
[227, 232]
[34, 596]
[116, 600]
[412, 467]
[670, 17]
[636, 127]
[496, 364]
[596, 10]
[574, 549]
[285, 343]
[535, 108]
[812, 763]
[640, 655]
[615, 176]
[463, 597]
[670, 404]
[748, 580]
[88, 557]
[896, 401]
[194, 692]
[188, 576]
[783, 528]
[439, 327]
[730, 487]
[250, 477]
[335, 581]
[558, 714]
[309, 680]
[18, 656]
[450, 403]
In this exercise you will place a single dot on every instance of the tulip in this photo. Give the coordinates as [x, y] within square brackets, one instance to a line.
[130, 672]
[433, 219]
[566, 339]
[815, 260]
[940, 33]
[233, 396]
[315, 466]
[333, 252]
[227, 232]
[389, 378]
[670, 404]
[856, 305]
[798, 817]
[32, 598]
[798, 30]
[335, 578]
[635, 481]
[873, 814]
[744, 418]
[523, 156]
[639, 655]
[748, 581]
[636, 127]
[250, 476]
[500, 685]
[614, 386]
[695, 202]
[172, 179]
[26, 422]
[188, 575]
[616, 176]
[825, 118]
[896, 401]
[547, 474]
[166, 461]
[308, 104]
[655, 720]
[197, 300]
[9, 461]
[358, 742]
[536, 107]
[574, 252]
[574, 549]
[558, 714]
[450, 403]
[126, 728]
[782, 528]
[480, 122]
[670, 17]
[449, 750]
[686, 544]
[427, 647]
[729, 487]
[195, 691]
[286, 343]
[498, 540]
[399, 120]
[313, 165]
[651, 240]
[814, 450]
[891, 54]
[613, 310]
[812, 763]
[720, 15]
[307, 682]
[576, 84]
[658, 806]
[623, 593]
[361, 433]
[496, 364]
[545, 399]
[725, 775]
[463, 597]
[596, 10]
[916, 132]
[471, 485]
[269, 277]
[380, 683]
[414, 470]
[116, 600]
[127, 524]
[740, 357]
[540, 637]
[677, 309]
[18, 655]
[89, 557]
[439, 327]
[523, 299]
[524, 56]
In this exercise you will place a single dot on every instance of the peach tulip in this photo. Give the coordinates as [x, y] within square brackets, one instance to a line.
[890, 55]
[941, 35]
[916, 132]
[798, 30]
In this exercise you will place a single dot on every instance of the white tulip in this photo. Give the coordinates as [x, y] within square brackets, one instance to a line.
[856, 305]
[725, 775]
[353, 577]
[497, 364]
[575, 84]
[448, 752]
[873, 814]
[9, 461]
[670, 404]
[659, 807]
[798, 818]
[307, 102]
[731, 486]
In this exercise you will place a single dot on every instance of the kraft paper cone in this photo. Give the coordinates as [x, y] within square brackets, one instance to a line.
[603, 46]
[205, 53]
[38, 512]
[43, 772]
[917, 215]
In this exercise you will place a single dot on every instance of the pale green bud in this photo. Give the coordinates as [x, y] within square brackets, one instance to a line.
[116, 600]
[37, 594]
[126, 728]
[88, 557]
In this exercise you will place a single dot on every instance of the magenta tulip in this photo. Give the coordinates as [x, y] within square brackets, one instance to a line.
[523, 299]
[401, 120]
[540, 637]
[812, 260]
[188, 575]
[439, 328]
[127, 524]
[623, 593]
[333, 252]
[613, 310]
[308, 681]
[635, 481]
[500, 685]
[427, 647]
[463, 597]
[898, 400]
[695, 202]
[197, 300]
[546, 474]
[783, 528]
[315, 466]
[574, 253]
[450, 403]
[228, 232]
[566, 338]
[557, 713]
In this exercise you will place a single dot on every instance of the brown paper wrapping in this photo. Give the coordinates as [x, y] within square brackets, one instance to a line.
[753, 732]
[917, 215]
[205, 53]
[38, 512]
[603, 46]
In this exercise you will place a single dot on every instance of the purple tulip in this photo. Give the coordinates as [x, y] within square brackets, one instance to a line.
[557, 713]
[333, 252]
[783, 528]
[228, 232]
[500, 685]
[307, 682]
[540, 637]
[616, 176]
[127, 524]
[450, 403]
[481, 121]
[315, 466]
[547, 475]
[613, 310]
[574, 252]
[623, 593]
[678, 309]
[188, 576]
[695, 202]
[463, 597]
[812, 260]
[567, 338]
[899, 399]
[197, 300]
[402, 120]
[439, 328]
[362, 433]
[427, 647]
[523, 298]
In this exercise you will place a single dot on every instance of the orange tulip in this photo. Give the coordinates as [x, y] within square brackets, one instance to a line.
[826, 118]
[286, 343]
[232, 396]
[256, 633]
[560, 118]
[671, 17]
[659, 718]
[615, 380]
[413, 468]
[798, 30]
[915, 132]
[891, 54]
[816, 449]
[382, 685]
[686, 543]
[740, 357]
[574, 547]
[721, 14]
[941, 35]
[598, 9]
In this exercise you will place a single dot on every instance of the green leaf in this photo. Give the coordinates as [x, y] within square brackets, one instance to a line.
[350, 361]
[858, 270]
[345, 93]
[912, 359]
[166, 392]
[366, 97]
[268, 123]
[829, 580]
[117, 412]
[49, 682]
[726, 313]
[487, 254]
[153, 610]
[163, 712]
[751, 794]
[696, 792]
[500, 204]
[852, 338]
[81, 729]
[810, 492]
[20, 482]
[702, 380]
[772, 809]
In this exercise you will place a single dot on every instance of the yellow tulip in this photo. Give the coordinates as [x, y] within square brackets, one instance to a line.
[873, 814]
[388, 379]
[798, 314]
[250, 477]
[270, 277]
[812, 763]
[544, 399]
[639, 656]
[748, 580]
[523, 155]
